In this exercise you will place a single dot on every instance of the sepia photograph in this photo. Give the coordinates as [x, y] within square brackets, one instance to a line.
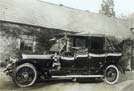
[66, 45]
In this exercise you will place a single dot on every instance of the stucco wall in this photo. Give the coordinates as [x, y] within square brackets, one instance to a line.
[11, 34]
[7, 47]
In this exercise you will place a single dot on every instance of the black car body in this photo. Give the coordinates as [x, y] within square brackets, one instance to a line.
[72, 56]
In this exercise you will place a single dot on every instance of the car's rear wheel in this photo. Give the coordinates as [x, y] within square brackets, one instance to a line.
[25, 75]
[111, 74]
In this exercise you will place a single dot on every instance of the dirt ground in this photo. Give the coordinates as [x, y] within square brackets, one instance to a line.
[126, 80]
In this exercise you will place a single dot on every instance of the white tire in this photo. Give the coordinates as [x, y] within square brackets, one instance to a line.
[32, 70]
[112, 71]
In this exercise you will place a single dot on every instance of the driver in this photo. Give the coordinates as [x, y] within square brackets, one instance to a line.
[66, 45]
[69, 45]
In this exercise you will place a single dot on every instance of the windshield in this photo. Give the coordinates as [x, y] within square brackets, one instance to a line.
[59, 43]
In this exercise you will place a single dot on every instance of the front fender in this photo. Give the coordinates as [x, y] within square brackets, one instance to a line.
[121, 69]
[33, 62]
[22, 61]
[41, 65]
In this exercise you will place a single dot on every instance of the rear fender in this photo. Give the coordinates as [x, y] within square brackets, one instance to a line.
[121, 69]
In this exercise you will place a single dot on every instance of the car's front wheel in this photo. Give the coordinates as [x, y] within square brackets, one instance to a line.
[111, 74]
[25, 75]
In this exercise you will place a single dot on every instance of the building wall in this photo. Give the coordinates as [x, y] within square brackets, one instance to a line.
[20, 38]
[13, 35]
[7, 47]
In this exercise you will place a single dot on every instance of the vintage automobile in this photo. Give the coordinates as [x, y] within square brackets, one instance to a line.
[72, 56]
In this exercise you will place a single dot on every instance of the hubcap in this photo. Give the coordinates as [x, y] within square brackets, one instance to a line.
[111, 74]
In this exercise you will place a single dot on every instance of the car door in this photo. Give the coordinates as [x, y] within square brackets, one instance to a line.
[67, 58]
[96, 51]
[81, 55]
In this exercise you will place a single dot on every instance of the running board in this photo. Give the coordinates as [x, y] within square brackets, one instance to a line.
[78, 76]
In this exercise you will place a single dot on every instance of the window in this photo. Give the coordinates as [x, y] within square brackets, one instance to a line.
[110, 45]
[80, 43]
[97, 43]
[26, 43]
